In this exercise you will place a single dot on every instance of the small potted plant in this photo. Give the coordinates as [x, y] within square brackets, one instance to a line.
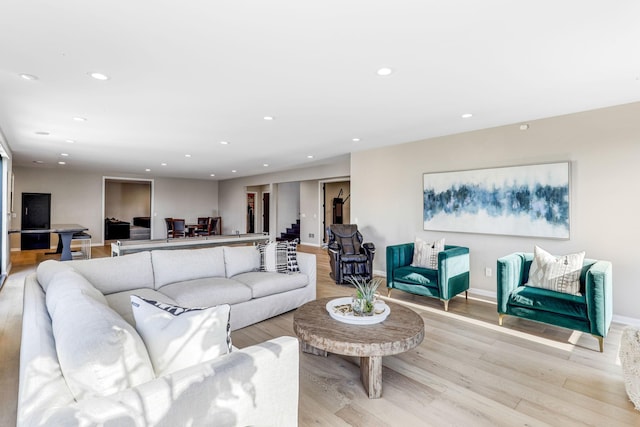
[363, 302]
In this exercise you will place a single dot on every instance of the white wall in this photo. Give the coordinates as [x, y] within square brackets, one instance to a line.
[232, 198]
[288, 205]
[76, 197]
[182, 198]
[603, 147]
[310, 220]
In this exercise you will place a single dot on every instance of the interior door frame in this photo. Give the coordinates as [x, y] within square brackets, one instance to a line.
[322, 229]
[266, 212]
[255, 205]
[119, 178]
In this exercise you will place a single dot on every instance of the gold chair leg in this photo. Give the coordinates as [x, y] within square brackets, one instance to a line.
[600, 342]
[388, 292]
[446, 304]
[500, 317]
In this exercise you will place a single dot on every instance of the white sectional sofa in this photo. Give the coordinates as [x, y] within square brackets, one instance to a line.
[83, 363]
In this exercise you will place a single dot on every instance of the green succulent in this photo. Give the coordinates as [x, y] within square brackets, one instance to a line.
[366, 289]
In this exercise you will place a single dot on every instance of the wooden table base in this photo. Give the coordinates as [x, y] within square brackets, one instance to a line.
[370, 370]
[320, 334]
[371, 375]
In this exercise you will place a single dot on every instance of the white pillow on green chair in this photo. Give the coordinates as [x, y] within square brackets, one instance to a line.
[557, 273]
[425, 254]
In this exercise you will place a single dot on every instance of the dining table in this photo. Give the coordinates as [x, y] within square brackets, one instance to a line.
[65, 235]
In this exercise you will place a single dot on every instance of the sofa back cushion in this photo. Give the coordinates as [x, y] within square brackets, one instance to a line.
[47, 270]
[117, 274]
[171, 266]
[98, 351]
[241, 259]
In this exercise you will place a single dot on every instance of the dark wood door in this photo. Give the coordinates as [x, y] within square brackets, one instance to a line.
[265, 212]
[36, 214]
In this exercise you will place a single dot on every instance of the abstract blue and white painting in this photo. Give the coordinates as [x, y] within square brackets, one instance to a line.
[530, 200]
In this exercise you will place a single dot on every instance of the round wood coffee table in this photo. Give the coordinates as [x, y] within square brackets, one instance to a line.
[319, 334]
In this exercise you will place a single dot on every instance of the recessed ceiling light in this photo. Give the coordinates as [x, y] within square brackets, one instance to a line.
[79, 119]
[187, 155]
[224, 142]
[384, 71]
[62, 163]
[309, 156]
[70, 141]
[29, 76]
[356, 139]
[163, 164]
[467, 115]
[524, 126]
[42, 133]
[147, 170]
[268, 118]
[213, 174]
[234, 171]
[99, 76]
[64, 154]
[266, 165]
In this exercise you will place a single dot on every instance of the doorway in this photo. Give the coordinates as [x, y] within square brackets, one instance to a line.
[337, 204]
[265, 212]
[128, 200]
[36, 214]
[251, 212]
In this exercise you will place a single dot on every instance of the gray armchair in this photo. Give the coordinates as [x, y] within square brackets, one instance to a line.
[348, 256]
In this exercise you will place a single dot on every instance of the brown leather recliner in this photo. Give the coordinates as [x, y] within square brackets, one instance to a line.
[348, 256]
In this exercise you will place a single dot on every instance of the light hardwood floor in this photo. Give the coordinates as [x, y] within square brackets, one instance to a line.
[467, 372]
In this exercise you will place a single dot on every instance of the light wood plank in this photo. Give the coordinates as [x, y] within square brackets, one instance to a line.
[467, 371]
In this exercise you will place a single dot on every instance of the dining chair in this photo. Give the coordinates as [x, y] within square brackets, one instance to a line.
[178, 228]
[204, 226]
[169, 222]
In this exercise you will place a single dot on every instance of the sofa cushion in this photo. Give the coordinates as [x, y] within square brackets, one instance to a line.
[98, 351]
[550, 301]
[425, 254]
[267, 283]
[70, 282]
[273, 256]
[121, 301]
[117, 274]
[557, 273]
[207, 292]
[186, 264]
[416, 276]
[48, 269]
[241, 259]
[179, 337]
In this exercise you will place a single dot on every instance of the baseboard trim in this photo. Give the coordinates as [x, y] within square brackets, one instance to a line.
[492, 297]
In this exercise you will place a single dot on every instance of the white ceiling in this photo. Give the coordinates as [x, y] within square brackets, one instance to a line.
[185, 75]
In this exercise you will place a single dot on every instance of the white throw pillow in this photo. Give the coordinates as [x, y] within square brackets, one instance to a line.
[292, 256]
[273, 256]
[178, 337]
[557, 273]
[425, 254]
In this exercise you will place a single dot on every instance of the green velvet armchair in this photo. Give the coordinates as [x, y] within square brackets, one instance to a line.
[450, 279]
[590, 312]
